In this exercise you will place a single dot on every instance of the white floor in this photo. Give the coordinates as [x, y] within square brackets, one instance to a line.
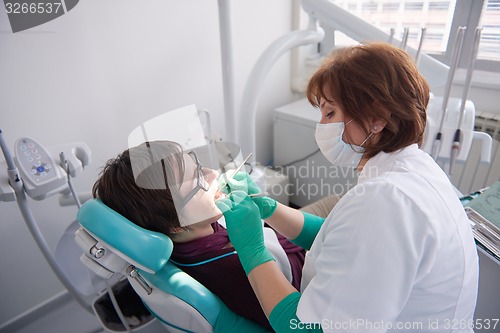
[68, 317]
[64, 315]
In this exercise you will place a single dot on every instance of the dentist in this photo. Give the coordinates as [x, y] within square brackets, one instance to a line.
[396, 252]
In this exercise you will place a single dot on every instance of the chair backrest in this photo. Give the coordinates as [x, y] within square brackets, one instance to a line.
[113, 244]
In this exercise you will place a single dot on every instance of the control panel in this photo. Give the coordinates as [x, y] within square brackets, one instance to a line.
[40, 173]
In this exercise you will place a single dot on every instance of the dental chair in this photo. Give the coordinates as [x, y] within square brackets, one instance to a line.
[115, 245]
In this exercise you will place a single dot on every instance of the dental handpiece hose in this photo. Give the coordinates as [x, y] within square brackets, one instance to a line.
[457, 139]
[44, 248]
[404, 41]
[22, 201]
[455, 148]
[420, 44]
[14, 179]
[436, 147]
[64, 164]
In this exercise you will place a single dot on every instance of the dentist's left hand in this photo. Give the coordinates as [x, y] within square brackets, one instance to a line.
[244, 227]
[243, 182]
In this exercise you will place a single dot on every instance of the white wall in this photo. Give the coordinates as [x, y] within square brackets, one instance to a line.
[96, 73]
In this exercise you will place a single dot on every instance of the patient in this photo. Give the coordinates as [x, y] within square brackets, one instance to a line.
[161, 188]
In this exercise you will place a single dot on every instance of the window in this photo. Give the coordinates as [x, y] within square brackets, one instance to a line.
[390, 6]
[439, 5]
[489, 48]
[441, 20]
[416, 5]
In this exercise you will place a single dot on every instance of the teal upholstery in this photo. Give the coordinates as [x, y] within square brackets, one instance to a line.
[174, 281]
[147, 248]
[152, 250]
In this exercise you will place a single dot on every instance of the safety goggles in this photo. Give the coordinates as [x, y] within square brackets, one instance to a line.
[201, 180]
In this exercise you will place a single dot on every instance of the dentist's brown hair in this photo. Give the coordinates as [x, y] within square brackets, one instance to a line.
[375, 81]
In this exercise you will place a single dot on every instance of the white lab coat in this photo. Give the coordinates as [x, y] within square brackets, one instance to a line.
[397, 250]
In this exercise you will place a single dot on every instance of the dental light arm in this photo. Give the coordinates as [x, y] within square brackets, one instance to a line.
[339, 19]
[443, 113]
[254, 84]
[328, 13]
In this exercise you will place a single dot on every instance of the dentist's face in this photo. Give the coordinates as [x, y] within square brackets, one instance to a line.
[331, 112]
[201, 207]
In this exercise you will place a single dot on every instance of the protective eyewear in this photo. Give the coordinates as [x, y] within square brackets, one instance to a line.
[201, 180]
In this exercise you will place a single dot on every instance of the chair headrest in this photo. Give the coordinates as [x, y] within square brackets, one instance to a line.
[147, 248]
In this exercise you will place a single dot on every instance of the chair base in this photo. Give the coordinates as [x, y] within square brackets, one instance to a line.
[136, 314]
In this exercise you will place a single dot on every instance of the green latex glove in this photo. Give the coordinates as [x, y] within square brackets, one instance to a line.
[243, 182]
[244, 227]
[240, 182]
[312, 225]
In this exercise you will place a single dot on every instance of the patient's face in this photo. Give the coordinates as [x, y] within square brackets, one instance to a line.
[201, 208]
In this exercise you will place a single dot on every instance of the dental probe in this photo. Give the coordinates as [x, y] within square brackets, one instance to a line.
[227, 179]
[258, 195]
[457, 139]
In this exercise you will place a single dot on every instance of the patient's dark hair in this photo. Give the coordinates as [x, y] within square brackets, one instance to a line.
[136, 184]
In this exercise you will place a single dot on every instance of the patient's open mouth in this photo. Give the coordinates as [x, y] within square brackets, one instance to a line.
[219, 195]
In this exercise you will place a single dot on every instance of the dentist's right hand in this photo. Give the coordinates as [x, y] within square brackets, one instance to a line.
[243, 182]
[244, 227]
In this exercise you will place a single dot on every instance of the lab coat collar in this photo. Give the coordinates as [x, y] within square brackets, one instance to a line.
[383, 162]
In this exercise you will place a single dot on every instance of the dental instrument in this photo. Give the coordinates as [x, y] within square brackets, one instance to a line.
[259, 195]
[457, 140]
[65, 166]
[391, 35]
[420, 44]
[457, 49]
[227, 179]
[404, 41]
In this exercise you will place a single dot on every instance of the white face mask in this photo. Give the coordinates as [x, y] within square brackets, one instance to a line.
[329, 139]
